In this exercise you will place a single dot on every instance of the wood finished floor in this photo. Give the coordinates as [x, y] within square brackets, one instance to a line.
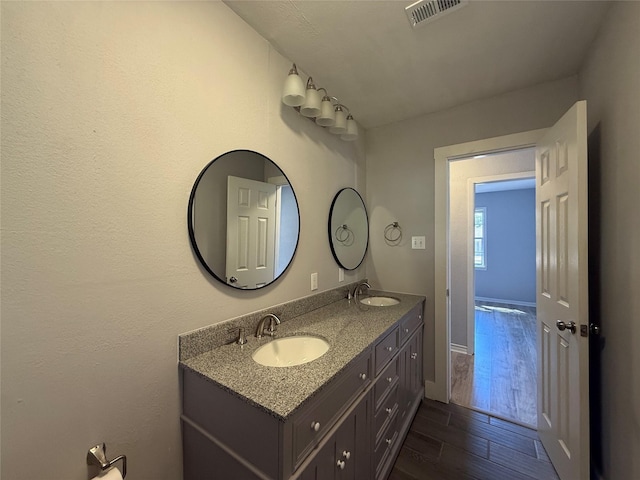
[501, 377]
[450, 442]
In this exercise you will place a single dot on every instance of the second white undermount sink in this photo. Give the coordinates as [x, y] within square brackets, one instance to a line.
[290, 351]
[379, 301]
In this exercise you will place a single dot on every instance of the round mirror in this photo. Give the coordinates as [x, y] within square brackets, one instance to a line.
[348, 228]
[243, 219]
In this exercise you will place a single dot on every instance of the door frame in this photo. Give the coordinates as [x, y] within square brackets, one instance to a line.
[471, 277]
[440, 388]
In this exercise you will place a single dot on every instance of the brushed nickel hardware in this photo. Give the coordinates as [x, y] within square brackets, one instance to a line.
[340, 464]
[346, 454]
[389, 349]
[389, 441]
[406, 330]
[242, 336]
[571, 326]
[98, 456]
[414, 356]
[315, 426]
[420, 316]
[271, 329]
[389, 379]
[363, 376]
[388, 410]
[358, 289]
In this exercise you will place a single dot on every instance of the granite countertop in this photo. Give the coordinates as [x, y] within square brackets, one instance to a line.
[348, 326]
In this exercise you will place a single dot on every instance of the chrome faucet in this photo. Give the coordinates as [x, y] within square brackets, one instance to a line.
[271, 329]
[358, 289]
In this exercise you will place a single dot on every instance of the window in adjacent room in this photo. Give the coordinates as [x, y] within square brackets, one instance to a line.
[480, 238]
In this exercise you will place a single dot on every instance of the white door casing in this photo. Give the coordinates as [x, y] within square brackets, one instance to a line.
[251, 218]
[562, 294]
[440, 387]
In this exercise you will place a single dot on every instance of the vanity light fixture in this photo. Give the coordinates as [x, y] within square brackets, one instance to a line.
[325, 110]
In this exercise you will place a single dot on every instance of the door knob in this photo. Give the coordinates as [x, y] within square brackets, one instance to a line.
[571, 326]
[594, 328]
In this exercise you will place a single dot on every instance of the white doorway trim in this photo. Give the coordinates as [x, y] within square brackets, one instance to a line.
[471, 276]
[440, 388]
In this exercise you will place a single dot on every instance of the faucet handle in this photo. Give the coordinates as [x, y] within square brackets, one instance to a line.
[242, 337]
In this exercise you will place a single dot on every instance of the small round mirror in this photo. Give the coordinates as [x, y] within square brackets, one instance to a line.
[243, 219]
[348, 229]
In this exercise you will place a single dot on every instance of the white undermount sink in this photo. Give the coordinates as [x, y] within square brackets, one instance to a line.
[290, 351]
[379, 301]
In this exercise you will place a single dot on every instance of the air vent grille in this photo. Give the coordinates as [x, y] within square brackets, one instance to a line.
[425, 11]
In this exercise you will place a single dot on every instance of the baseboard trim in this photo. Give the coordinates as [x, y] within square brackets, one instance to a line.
[505, 302]
[432, 392]
[459, 348]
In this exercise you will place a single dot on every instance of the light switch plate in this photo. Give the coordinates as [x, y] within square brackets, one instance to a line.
[314, 281]
[418, 243]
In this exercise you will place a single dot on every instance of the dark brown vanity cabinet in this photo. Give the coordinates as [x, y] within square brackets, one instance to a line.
[351, 429]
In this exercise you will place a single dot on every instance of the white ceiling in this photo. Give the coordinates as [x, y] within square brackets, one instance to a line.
[365, 52]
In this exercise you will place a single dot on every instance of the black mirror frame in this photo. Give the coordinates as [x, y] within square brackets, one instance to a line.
[190, 225]
[333, 251]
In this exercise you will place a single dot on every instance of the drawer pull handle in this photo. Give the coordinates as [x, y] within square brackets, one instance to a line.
[414, 356]
[389, 379]
[388, 410]
[315, 426]
[389, 441]
[340, 464]
[389, 349]
[363, 376]
[346, 455]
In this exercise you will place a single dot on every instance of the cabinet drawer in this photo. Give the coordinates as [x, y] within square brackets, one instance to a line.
[386, 381]
[386, 349]
[385, 445]
[310, 426]
[387, 410]
[409, 323]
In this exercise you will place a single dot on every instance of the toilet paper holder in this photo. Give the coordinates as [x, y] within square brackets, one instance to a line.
[98, 456]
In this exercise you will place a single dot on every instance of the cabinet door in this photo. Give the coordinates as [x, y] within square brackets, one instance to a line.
[322, 466]
[415, 365]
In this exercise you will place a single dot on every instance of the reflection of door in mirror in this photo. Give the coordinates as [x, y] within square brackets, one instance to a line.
[251, 232]
[287, 225]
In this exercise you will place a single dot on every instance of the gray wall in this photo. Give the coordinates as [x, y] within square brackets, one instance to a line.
[400, 180]
[511, 246]
[109, 112]
[610, 82]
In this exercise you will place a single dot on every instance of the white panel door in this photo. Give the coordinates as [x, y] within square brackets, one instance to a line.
[562, 297]
[251, 218]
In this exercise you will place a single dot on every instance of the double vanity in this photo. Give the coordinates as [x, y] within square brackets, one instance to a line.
[343, 414]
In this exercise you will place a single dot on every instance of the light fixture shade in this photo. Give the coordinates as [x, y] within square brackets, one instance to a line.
[311, 105]
[352, 129]
[293, 93]
[340, 126]
[327, 116]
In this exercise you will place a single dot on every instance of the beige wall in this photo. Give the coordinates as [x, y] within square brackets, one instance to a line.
[610, 82]
[109, 112]
[400, 180]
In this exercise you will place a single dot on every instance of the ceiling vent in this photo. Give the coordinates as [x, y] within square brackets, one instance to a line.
[425, 11]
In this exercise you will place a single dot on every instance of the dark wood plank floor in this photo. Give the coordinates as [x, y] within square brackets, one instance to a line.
[501, 377]
[450, 442]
